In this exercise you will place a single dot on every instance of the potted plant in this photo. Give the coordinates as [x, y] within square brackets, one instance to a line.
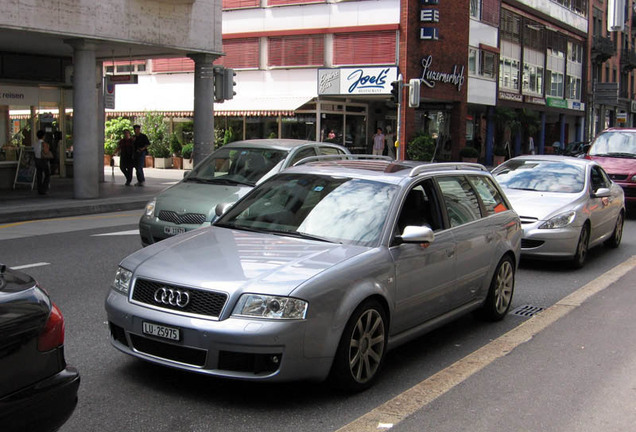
[469, 154]
[109, 151]
[161, 152]
[499, 153]
[175, 148]
[421, 148]
[186, 153]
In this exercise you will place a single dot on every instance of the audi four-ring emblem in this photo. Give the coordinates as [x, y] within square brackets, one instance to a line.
[172, 297]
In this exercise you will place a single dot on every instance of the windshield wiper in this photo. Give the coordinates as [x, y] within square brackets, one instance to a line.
[526, 189]
[622, 155]
[237, 227]
[301, 235]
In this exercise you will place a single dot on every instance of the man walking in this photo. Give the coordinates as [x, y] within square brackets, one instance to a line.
[141, 144]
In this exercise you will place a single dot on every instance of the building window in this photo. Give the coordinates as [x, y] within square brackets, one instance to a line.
[301, 50]
[509, 73]
[577, 6]
[532, 79]
[475, 8]
[240, 53]
[364, 48]
[574, 88]
[239, 4]
[510, 29]
[555, 84]
[481, 63]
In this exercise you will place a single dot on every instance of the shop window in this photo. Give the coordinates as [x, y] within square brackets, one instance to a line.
[300, 50]
[302, 126]
[240, 53]
[364, 48]
[238, 4]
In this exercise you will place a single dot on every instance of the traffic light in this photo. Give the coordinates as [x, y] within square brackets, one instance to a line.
[414, 93]
[395, 91]
[228, 83]
[219, 76]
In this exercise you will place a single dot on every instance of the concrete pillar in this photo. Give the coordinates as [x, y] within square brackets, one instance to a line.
[5, 130]
[85, 136]
[203, 106]
[101, 120]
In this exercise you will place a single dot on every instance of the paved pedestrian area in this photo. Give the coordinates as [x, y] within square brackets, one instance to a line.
[23, 203]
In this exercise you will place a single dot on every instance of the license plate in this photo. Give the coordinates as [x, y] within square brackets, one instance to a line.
[161, 331]
[170, 230]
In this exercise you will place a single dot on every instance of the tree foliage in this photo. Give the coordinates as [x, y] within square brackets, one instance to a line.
[113, 132]
[155, 127]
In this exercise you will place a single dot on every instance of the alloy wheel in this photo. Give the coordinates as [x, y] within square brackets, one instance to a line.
[366, 347]
[504, 286]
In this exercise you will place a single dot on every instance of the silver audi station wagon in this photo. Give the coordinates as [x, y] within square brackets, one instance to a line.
[321, 269]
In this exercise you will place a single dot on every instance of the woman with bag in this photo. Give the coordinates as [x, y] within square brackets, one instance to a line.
[42, 155]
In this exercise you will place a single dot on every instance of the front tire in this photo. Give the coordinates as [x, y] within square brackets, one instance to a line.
[581, 248]
[615, 240]
[360, 354]
[502, 288]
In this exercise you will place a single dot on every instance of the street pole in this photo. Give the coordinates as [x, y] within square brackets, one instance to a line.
[398, 150]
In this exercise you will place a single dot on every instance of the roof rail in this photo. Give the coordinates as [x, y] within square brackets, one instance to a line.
[342, 157]
[446, 165]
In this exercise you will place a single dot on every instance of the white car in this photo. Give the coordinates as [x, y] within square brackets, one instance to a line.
[566, 205]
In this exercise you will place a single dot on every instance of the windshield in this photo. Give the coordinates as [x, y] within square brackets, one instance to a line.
[334, 209]
[236, 165]
[542, 176]
[614, 144]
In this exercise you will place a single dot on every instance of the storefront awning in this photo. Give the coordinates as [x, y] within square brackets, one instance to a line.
[261, 106]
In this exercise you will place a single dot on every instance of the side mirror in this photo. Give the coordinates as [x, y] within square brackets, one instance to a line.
[221, 208]
[602, 193]
[417, 234]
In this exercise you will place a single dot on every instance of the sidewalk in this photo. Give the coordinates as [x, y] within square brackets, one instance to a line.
[25, 204]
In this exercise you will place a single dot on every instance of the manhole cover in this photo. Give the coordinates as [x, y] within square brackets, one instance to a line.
[527, 310]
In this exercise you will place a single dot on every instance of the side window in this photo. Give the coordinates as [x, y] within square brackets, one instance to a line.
[302, 154]
[489, 194]
[329, 151]
[462, 205]
[419, 208]
[599, 179]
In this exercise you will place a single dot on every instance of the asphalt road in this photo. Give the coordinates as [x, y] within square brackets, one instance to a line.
[75, 260]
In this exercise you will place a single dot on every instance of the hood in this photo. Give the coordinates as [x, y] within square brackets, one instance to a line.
[190, 197]
[616, 165]
[237, 261]
[540, 205]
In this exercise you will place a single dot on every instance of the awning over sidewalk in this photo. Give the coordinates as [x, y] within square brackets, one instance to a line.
[261, 106]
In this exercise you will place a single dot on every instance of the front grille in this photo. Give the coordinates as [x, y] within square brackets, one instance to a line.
[618, 177]
[205, 303]
[181, 354]
[527, 219]
[529, 244]
[176, 218]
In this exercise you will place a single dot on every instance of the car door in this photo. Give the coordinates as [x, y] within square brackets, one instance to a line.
[474, 237]
[423, 273]
[603, 211]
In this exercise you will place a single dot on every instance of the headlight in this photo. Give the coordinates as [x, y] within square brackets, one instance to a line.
[559, 221]
[263, 306]
[634, 178]
[122, 280]
[150, 208]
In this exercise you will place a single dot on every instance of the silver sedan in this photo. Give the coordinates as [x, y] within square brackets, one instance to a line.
[566, 205]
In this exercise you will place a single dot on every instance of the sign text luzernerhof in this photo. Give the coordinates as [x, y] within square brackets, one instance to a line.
[362, 80]
[430, 77]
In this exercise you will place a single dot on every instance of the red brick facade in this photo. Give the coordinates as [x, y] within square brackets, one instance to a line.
[446, 58]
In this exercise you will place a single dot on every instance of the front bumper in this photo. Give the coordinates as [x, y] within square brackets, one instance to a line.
[248, 349]
[153, 230]
[43, 406]
[557, 243]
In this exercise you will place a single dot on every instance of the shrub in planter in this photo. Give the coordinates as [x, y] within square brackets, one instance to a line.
[499, 150]
[186, 151]
[470, 153]
[421, 148]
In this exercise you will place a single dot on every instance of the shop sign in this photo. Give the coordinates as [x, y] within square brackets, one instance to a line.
[556, 102]
[621, 117]
[429, 15]
[576, 105]
[515, 97]
[109, 96]
[430, 77]
[122, 79]
[534, 100]
[352, 81]
[13, 95]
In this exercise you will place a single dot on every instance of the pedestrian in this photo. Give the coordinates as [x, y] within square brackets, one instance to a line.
[42, 154]
[141, 144]
[378, 142]
[126, 151]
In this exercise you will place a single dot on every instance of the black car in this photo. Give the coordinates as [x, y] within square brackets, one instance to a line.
[38, 391]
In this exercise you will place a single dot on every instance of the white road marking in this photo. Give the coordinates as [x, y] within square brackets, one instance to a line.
[40, 264]
[417, 397]
[118, 233]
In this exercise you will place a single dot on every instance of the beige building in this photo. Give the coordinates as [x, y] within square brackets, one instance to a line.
[51, 56]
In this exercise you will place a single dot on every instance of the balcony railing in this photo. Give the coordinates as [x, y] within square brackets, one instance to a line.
[628, 60]
[602, 49]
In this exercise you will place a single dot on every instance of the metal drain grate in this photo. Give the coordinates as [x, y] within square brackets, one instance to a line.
[527, 310]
